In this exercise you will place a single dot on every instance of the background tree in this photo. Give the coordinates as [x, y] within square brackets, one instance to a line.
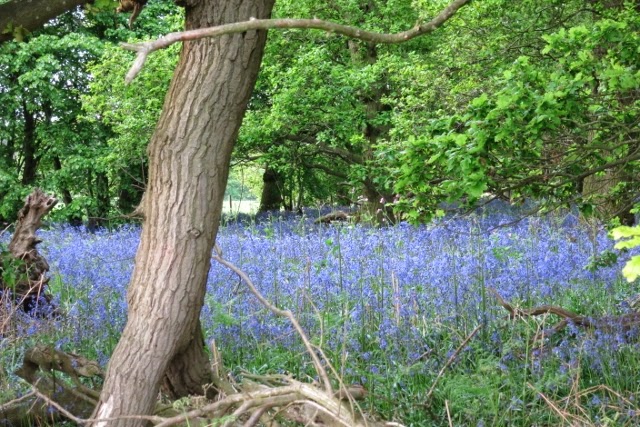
[72, 127]
[42, 138]
[554, 119]
[319, 110]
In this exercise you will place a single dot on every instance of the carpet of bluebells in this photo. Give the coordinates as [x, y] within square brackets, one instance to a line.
[389, 306]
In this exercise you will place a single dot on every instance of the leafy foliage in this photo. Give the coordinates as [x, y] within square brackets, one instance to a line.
[629, 238]
[550, 114]
[549, 126]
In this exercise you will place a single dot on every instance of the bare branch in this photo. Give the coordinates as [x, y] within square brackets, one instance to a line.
[284, 313]
[143, 49]
[450, 361]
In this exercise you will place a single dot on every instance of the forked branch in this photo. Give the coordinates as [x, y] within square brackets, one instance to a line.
[143, 49]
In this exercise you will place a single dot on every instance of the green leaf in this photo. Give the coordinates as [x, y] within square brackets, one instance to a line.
[632, 270]
[624, 231]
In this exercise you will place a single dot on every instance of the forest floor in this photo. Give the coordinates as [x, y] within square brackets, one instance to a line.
[411, 313]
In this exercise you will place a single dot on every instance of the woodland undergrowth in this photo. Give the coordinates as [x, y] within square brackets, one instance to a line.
[414, 315]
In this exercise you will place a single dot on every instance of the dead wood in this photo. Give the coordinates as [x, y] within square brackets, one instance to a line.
[43, 367]
[332, 217]
[55, 378]
[29, 267]
[623, 322]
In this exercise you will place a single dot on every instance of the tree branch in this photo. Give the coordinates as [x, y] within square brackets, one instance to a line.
[326, 169]
[19, 16]
[322, 373]
[143, 49]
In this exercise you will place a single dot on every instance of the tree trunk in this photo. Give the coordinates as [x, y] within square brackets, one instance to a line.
[29, 147]
[189, 158]
[99, 213]
[377, 198]
[73, 219]
[30, 274]
[271, 198]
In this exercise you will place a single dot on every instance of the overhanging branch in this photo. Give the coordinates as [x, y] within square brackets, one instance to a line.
[20, 16]
[143, 49]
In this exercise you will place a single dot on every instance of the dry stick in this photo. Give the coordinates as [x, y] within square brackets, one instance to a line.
[344, 392]
[241, 410]
[60, 408]
[284, 313]
[566, 416]
[446, 406]
[15, 401]
[450, 361]
[259, 397]
[143, 49]
[81, 421]
[255, 417]
[296, 393]
[323, 409]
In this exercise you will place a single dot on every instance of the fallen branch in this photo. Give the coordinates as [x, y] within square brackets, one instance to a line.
[606, 323]
[322, 373]
[143, 49]
[328, 401]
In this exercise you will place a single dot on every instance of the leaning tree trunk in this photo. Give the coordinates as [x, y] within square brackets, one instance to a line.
[189, 159]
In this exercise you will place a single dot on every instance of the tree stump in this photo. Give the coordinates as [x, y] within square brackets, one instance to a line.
[24, 269]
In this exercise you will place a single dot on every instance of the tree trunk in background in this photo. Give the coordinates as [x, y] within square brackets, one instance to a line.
[375, 206]
[66, 194]
[74, 220]
[610, 199]
[271, 198]
[29, 147]
[98, 214]
[189, 158]
[130, 190]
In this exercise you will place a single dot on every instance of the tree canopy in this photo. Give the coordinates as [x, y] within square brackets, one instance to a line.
[473, 110]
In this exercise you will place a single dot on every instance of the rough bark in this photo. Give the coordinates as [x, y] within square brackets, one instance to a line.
[32, 275]
[189, 161]
[31, 15]
[609, 203]
[189, 370]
